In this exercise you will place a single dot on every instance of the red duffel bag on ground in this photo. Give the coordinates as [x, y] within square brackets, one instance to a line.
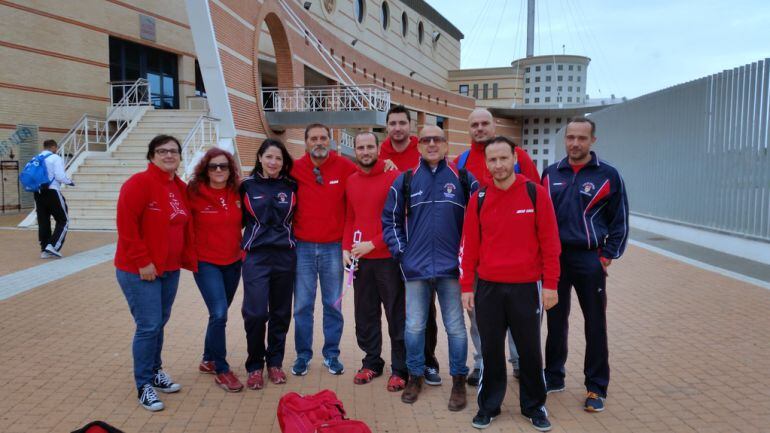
[322, 413]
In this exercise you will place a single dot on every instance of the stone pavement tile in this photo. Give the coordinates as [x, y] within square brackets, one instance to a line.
[682, 341]
[20, 249]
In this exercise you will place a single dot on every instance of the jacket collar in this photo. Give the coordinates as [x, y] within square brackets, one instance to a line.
[424, 164]
[564, 163]
[377, 169]
[159, 174]
[387, 145]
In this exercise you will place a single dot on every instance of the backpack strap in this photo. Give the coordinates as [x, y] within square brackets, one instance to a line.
[480, 200]
[532, 192]
[463, 159]
[406, 191]
[466, 184]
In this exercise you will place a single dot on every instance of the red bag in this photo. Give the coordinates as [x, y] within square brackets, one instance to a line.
[322, 413]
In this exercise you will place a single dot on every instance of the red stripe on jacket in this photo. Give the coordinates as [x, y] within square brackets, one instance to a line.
[477, 164]
[143, 218]
[320, 213]
[217, 224]
[514, 243]
[365, 195]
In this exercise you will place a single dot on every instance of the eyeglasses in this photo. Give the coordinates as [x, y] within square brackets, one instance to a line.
[437, 139]
[164, 152]
[223, 166]
[318, 177]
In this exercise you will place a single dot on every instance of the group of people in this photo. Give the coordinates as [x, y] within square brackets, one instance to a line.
[481, 233]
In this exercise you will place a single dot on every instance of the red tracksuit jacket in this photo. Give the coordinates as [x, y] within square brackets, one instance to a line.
[365, 195]
[514, 243]
[217, 224]
[477, 164]
[405, 160]
[320, 215]
[144, 212]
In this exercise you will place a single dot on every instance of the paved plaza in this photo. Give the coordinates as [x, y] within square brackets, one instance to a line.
[689, 352]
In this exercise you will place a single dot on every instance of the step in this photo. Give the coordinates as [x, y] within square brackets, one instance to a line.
[92, 224]
[83, 179]
[100, 184]
[91, 203]
[111, 161]
[85, 213]
[110, 169]
[77, 194]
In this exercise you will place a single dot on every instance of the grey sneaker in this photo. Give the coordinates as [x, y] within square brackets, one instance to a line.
[52, 251]
[334, 365]
[432, 377]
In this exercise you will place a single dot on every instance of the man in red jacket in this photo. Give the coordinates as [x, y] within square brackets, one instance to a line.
[401, 149]
[514, 215]
[378, 278]
[481, 128]
[321, 177]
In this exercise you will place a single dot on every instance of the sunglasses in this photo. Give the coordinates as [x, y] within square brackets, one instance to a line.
[223, 166]
[318, 177]
[437, 139]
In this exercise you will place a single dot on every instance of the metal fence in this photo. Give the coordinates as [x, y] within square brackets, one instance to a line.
[697, 153]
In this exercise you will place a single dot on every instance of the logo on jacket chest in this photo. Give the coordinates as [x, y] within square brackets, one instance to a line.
[587, 188]
[449, 190]
[176, 206]
[282, 198]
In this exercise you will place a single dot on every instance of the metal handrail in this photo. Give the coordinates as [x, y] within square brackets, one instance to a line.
[326, 98]
[90, 130]
[203, 135]
[346, 139]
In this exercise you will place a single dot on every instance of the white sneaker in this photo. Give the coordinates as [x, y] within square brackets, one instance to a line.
[52, 251]
[45, 255]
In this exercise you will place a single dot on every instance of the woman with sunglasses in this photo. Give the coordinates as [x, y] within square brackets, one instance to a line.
[155, 240]
[216, 211]
[269, 200]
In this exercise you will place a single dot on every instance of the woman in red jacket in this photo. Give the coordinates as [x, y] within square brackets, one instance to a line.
[155, 240]
[216, 212]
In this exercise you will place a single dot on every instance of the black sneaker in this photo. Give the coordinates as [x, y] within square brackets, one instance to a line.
[474, 378]
[549, 388]
[432, 377]
[149, 399]
[540, 422]
[594, 402]
[482, 421]
[163, 383]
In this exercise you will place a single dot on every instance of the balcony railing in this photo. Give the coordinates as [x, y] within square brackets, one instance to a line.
[326, 98]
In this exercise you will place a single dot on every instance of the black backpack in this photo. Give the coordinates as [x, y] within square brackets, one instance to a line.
[406, 188]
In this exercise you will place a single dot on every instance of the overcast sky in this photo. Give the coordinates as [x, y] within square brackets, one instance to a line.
[636, 47]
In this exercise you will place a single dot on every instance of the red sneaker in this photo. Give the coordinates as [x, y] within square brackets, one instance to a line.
[256, 381]
[365, 375]
[396, 383]
[207, 367]
[276, 375]
[228, 382]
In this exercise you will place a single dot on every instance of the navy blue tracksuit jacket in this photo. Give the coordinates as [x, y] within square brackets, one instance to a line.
[427, 241]
[591, 206]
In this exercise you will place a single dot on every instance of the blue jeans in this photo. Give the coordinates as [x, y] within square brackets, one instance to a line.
[418, 295]
[217, 284]
[318, 261]
[150, 304]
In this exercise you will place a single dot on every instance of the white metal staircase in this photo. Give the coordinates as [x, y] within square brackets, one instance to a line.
[101, 153]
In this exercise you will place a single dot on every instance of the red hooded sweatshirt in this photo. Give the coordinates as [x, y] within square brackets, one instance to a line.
[477, 165]
[217, 223]
[365, 195]
[406, 160]
[514, 243]
[151, 209]
[320, 215]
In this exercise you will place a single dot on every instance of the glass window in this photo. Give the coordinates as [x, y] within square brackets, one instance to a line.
[526, 121]
[547, 67]
[569, 78]
[578, 99]
[537, 89]
[546, 141]
[536, 121]
[527, 70]
[578, 78]
[559, 99]
[404, 24]
[526, 132]
[569, 98]
[494, 90]
[580, 67]
[420, 32]
[534, 151]
[547, 88]
[537, 68]
[545, 151]
[545, 164]
[536, 131]
[547, 99]
[569, 88]
[547, 131]
[385, 15]
[464, 89]
[535, 141]
[486, 91]
[578, 89]
[537, 100]
[526, 141]
[476, 91]
[526, 100]
[359, 10]
[560, 78]
[570, 67]
[548, 78]
[526, 90]
[537, 79]
[526, 80]
[560, 67]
